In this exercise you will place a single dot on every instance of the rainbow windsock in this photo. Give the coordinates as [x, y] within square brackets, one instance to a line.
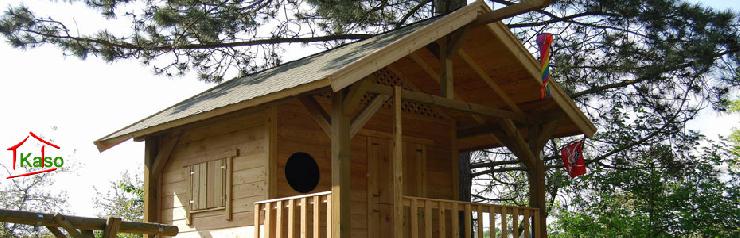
[544, 42]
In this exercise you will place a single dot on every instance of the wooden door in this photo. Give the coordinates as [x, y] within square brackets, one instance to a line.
[380, 193]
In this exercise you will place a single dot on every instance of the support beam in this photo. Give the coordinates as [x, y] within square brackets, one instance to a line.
[448, 46]
[340, 168]
[491, 83]
[422, 64]
[516, 142]
[484, 129]
[447, 103]
[397, 164]
[83, 223]
[364, 116]
[318, 114]
[446, 83]
[408, 83]
[512, 10]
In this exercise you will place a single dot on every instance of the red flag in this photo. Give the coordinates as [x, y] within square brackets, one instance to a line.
[573, 160]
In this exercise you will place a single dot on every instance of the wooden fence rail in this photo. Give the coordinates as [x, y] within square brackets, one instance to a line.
[297, 216]
[440, 218]
[83, 226]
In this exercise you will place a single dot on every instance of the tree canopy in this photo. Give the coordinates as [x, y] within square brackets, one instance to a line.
[640, 69]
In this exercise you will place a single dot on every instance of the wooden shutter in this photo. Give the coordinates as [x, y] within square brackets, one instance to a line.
[210, 186]
[202, 184]
[194, 186]
[215, 185]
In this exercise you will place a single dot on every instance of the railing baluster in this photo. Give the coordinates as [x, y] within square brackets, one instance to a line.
[316, 216]
[328, 216]
[304, 218]
[537, 230]
[526, 223]
[441, 217]
[428, 219]
[291, 218]
[414, 219]
[279, 219]
[269, 225]
[455, 217]
[515, 224]
[504, 228]
[468, 222]
[479, 210]
[256, 222]
[492, 221]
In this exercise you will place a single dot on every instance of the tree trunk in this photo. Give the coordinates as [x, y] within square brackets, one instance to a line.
[466, 182]
[442, 7]
[466, 178]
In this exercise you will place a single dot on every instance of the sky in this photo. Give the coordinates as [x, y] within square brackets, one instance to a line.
[74, 102]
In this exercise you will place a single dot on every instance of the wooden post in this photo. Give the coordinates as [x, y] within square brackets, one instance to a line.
[538, 136]
[151, 145]
[397, 165]
[446, 83]
[340, 168]
[111, 227]
[536, 179]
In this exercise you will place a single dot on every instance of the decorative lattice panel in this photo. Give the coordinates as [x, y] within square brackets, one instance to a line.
[388, 78]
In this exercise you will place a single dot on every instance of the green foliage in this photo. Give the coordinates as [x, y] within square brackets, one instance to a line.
[660, 194]
[124, 199]
[735, 136]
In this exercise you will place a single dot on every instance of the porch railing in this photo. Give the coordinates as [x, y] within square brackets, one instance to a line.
[443, 218]
[310, 216]
[298, 216]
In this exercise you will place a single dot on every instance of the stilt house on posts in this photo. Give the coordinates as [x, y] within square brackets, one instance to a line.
[359, 141]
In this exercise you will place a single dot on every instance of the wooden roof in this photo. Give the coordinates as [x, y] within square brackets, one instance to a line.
[487, 50]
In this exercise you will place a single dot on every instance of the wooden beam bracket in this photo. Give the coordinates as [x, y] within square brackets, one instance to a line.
[354, 96]
[361, 119]
[67, 226]
[317, 112]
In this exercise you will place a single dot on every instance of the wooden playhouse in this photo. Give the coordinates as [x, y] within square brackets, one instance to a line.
[359, 141]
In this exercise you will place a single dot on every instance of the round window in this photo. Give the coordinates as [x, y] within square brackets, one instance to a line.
[302, 172]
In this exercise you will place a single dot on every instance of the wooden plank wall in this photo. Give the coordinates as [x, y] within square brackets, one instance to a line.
[297, 132]
[209, 140]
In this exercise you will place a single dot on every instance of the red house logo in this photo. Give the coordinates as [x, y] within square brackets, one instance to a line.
[37, 164]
